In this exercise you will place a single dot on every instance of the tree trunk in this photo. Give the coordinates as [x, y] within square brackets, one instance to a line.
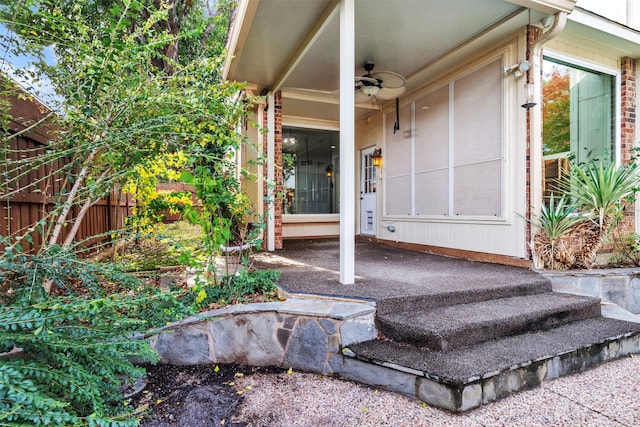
[55, 234]
[591, 234]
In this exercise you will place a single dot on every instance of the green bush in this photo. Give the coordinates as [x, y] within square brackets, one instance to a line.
[233, 289]
[77, 343]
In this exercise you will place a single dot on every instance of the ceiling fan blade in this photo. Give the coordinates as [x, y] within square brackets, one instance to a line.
[390, 79]
[366, 79]
[386, 93]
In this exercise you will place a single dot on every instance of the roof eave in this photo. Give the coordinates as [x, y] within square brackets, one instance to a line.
[547, 6]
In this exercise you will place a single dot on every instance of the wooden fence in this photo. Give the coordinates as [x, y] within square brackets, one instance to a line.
[23, 209]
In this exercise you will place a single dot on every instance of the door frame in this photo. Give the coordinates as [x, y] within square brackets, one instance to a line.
[369, 177]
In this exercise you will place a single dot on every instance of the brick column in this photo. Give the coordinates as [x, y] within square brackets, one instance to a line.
[628, 108]
[628, 123]
[279, 203]
[278, 199]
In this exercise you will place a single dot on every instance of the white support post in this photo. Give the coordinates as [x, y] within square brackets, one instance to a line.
[260, 167]
[347, 143]
[271, 174]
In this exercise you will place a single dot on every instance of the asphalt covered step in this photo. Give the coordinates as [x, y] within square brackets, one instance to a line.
[587, 338]
[466, 291]
[450, 327]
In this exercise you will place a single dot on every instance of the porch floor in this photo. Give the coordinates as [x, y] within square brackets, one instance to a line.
[415, 293]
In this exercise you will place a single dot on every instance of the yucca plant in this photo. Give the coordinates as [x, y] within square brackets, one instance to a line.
[601, 190]
[555, 223]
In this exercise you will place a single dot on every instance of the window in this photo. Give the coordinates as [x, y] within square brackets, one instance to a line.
[310, 170]
[578, 118]
[450, 163]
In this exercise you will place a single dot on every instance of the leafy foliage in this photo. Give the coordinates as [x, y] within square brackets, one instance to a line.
[77, 345]
[132, 100]
[601, 188]
[555, 113]
[177, 244]
[236, 288]
[570, 236]
[556, 222]
[139, 95]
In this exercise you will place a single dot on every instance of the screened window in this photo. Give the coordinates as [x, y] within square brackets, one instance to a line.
[450, 161]
[310, 159]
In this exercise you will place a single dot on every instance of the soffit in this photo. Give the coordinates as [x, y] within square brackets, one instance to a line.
[403, 36]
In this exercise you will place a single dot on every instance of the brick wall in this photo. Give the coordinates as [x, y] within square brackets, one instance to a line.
[627, 141]
[278, 207]
[628, 108]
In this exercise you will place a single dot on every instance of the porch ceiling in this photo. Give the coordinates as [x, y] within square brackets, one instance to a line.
[293, 45]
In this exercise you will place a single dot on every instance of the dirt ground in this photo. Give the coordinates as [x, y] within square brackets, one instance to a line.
[202, 395]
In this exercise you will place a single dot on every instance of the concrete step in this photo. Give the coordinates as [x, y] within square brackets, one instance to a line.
[464, 292]
[450, 327]
[467, 377]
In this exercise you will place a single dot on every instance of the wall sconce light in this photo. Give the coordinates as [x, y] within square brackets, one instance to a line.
[376, 157]
[329, 170]
[518, 69]
[529, 89]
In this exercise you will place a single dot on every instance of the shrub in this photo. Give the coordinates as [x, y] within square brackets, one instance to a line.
[233, 289]
[75, 346]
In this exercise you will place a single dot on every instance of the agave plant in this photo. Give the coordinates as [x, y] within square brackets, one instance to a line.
[601, 190]
[555, 223]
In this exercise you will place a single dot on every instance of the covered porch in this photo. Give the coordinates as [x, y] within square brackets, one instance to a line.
[459, 169]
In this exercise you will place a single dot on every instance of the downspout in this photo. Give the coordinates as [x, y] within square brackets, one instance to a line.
[535, 116]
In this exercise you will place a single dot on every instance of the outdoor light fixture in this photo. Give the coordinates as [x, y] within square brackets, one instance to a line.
[529, 89]
[376, 157]
[519, 69]
[370, 90]
[329, 171]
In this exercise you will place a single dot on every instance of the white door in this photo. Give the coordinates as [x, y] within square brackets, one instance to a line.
[368, 183]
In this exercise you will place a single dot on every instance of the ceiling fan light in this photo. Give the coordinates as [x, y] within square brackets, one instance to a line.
[370, 90]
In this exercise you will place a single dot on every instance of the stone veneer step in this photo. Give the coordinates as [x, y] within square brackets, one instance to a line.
[468, 377]
[446, 328]
[337, 337]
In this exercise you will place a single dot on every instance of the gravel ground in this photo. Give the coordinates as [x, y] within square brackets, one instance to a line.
[604, 396]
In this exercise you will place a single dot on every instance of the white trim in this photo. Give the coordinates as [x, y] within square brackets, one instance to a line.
[308, 123]
[298, 218]
[547, 6]
[610, 27]
[245, 13]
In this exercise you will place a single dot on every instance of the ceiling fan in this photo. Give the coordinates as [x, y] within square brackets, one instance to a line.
[381, 85]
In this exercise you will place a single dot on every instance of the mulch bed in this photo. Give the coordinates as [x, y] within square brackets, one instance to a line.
[200, 395]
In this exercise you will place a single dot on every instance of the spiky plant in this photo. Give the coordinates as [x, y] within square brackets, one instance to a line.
[555, 223]
[601, 190]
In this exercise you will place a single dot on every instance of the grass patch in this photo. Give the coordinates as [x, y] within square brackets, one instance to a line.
[176, 244]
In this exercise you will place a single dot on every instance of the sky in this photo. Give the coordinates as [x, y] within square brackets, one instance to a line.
[11, 63]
